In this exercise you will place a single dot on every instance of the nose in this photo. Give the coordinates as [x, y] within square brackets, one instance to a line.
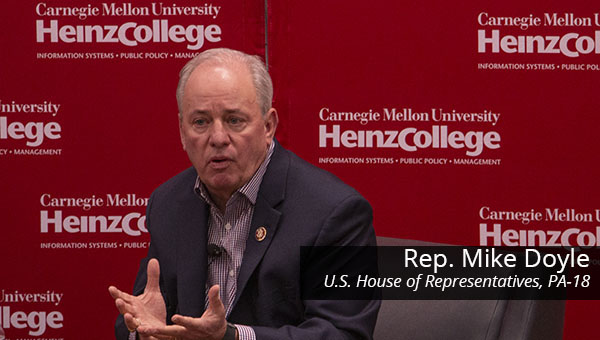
[219, 136]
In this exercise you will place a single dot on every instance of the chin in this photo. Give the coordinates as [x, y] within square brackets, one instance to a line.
[221, 184]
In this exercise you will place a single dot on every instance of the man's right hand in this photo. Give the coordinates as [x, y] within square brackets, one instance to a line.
[147, 309]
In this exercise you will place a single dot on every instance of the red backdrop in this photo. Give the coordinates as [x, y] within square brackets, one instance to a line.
[88, 119]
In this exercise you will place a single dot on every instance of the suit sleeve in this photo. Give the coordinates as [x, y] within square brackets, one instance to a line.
[350, 224]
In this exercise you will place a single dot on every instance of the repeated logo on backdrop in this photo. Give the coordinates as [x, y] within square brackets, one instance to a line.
[30, 128]
[564, 34]
[30, 315]
[122, 25]
[530, 227]
[411, 136]
[110, 214]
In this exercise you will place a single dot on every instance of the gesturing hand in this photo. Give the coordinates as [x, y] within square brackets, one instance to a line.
[210, 326]
[145, 310]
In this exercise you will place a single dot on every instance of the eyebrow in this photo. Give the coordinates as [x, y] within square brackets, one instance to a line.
[199, 112]
[233, 111]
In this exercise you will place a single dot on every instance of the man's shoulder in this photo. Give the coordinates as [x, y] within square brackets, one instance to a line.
[320, 209]
[178, 185]
[308, 179]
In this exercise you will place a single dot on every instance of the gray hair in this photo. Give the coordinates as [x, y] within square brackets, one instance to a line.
[258, 71]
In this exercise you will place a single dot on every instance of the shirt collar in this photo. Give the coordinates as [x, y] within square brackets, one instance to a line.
[249, 190]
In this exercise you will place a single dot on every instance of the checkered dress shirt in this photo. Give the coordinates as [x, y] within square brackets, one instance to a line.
[229, 230]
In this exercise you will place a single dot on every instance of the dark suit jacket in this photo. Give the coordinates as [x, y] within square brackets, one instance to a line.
[299, 205]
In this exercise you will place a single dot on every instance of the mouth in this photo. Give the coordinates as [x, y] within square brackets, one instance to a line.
[219, 162]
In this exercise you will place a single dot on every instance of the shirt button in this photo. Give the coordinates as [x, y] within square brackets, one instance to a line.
[227, 226]
[231, 273]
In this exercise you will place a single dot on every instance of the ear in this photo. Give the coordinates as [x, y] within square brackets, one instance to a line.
[271, 121]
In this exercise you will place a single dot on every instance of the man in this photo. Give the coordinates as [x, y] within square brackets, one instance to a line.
[224, 258]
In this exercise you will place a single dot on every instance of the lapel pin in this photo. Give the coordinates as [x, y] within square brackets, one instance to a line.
[260, 234]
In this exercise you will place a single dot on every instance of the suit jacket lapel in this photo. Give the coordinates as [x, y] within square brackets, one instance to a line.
[266, 215]
[192, 258]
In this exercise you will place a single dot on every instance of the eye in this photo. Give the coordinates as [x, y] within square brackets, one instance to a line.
[235, 120]
[199, 122]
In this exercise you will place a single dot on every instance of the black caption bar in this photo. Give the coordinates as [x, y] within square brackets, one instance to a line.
[450, 273]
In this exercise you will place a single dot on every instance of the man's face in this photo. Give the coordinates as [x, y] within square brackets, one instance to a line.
[222, 129]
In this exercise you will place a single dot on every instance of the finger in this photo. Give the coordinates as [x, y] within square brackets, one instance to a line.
[185, 321]
[164, 331]
[215, 305]
[131, 322]
[118, 294]
[153, 272]
[123, 306]
[113, 291]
